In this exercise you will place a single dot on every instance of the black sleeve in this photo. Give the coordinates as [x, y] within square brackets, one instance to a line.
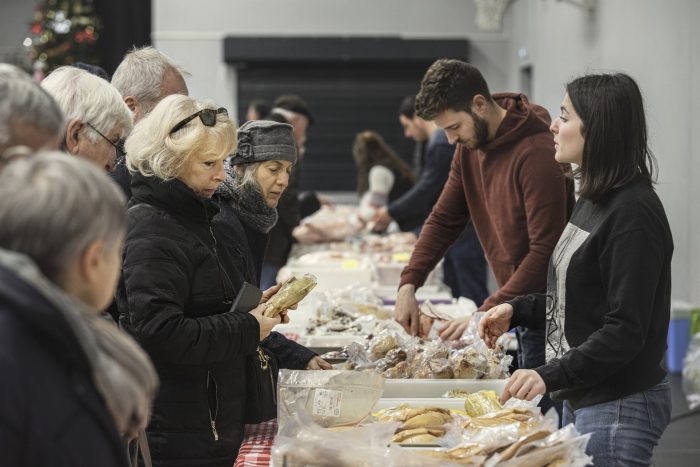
[290, 354]
[13, 411]
[156, 284]
[417, 202]
[529, 311]
[630, 266]
[308, 203]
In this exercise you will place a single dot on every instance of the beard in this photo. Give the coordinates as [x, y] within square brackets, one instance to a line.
[481, 134]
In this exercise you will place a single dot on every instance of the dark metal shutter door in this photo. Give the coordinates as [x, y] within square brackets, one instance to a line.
[344, 99]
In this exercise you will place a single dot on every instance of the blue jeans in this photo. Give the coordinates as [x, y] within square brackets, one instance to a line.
[624, 431]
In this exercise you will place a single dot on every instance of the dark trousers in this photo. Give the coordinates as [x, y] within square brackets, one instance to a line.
[465, 269]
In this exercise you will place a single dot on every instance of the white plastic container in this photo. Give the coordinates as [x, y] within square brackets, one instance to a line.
[434, 388]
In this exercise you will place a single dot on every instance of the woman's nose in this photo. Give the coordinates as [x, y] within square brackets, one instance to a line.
[554, 127]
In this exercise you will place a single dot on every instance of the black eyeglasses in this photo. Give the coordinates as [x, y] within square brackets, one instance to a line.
[207, 116]
[120, 151]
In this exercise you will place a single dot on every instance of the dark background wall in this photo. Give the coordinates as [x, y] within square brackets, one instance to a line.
[350, 85]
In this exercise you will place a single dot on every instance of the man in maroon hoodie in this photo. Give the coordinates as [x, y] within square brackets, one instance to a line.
[504, 179]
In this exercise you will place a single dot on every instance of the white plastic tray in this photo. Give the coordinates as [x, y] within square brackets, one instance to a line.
[433, 388]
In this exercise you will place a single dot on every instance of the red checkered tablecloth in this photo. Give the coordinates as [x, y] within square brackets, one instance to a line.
[257, 445]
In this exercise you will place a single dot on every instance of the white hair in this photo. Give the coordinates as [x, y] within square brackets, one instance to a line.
[153, 151]
[53, 206]
[89, 99]
[140, 74]
[24, 101]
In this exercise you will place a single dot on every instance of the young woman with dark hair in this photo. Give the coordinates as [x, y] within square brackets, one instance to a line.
[606, 310]
[370, 150]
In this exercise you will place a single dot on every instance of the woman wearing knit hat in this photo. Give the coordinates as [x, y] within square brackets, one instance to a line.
[257, 175]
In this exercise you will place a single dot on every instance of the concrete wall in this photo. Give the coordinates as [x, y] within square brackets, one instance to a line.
[192, 32]
[656, 43]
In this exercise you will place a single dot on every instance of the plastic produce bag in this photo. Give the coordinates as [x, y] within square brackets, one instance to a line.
[333, 398]
[691, 373]
[303, 443]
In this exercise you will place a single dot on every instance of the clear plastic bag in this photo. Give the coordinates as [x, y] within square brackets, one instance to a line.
[333, 398]
[691, 373]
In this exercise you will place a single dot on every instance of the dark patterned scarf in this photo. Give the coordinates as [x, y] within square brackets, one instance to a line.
[248, 202]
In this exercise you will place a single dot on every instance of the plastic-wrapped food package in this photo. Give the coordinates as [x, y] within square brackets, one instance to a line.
[333, 398]
[481, 402]
[691, 373]
[303, 443]
[563, 448]
[292, 292]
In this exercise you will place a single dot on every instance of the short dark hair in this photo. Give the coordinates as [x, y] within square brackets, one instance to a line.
[449, 85]
[294, 103]
[261, 107]
[408, 107]
[615, 148]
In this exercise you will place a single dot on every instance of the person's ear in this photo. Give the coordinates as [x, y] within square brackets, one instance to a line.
[91, 262]
[132, 103]
[479, 105]
[73, 130]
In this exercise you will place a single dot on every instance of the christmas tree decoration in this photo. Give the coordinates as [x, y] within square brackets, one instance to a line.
[63, 32]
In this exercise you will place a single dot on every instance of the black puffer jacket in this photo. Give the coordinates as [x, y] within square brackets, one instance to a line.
[184, 262]
[50, 412]
[174, 298]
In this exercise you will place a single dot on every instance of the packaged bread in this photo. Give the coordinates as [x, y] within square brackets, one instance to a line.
[292, 292]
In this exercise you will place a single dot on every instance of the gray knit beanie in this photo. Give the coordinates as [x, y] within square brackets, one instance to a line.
[264, 140]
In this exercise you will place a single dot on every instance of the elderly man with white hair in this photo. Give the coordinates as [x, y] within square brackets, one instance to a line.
[29, 117]
[144, 77]
[96, 117]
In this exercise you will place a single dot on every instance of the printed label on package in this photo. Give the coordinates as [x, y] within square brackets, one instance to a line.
[327, 402]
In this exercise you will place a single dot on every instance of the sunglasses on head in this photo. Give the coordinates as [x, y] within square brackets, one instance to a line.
[207, 116]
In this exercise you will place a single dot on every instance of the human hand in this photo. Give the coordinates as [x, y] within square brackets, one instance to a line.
[266, 324]
[454, 329]
[406, 309]
[317, 363]
[267, 295]
[494, 323]
[381, 219]
[523, 384]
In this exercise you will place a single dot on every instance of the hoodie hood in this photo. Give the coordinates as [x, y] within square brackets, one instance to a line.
[522, 119]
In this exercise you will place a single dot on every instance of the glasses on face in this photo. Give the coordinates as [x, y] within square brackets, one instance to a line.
[207, 116]
[120, 151]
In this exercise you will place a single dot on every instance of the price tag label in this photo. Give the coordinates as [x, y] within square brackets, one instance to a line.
[401, 257]
[350, 264]
[327, 403]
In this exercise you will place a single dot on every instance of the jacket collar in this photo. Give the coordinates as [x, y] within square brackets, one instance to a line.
[172, 196]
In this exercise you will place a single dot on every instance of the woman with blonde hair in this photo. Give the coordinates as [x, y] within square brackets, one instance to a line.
[177, 285]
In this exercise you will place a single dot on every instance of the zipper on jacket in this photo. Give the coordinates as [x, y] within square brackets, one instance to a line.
[212, 418]
[227, 299]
